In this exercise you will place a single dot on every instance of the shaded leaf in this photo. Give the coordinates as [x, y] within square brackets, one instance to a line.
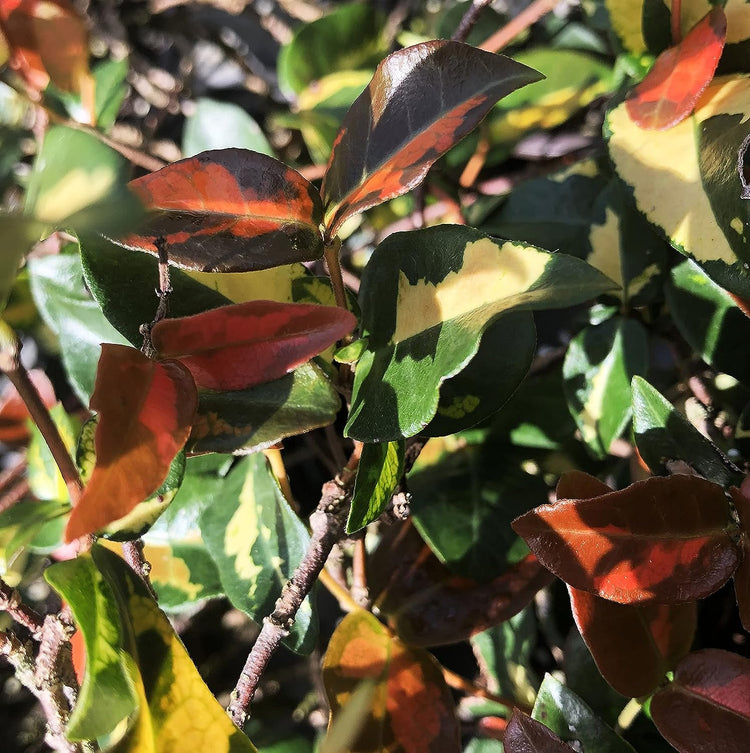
[526, 735]
[426, 298]
[379, 471]
[146, 411]
[668, 540]
[257, 542]
[412, 706]
[398, 127]
[30, 525]
[680, 74]
[741, 499]
[706, 707]
[111, 90]
[240, 346]
[662, 433]
[19, 235]
[229, 210]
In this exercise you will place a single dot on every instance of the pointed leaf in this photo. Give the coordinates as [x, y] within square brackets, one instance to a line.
[662, 433]
[257, 542]
[380, 469]
[526, 735]
[412, 707]
[229, 210]
[421, 101]
[145, 411]
[667, 540]
[680, 74]
[427, 296]
[707, 707]
[239, 346]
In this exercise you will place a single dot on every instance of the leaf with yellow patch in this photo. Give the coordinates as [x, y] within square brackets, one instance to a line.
[427, 296]
[412, 708]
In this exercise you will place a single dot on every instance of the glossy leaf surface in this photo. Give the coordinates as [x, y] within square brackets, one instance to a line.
[257, 542]
[19, 235]
[668, 540]
[45, 480]
[680, 74]
[741, 498]
[145, 411]
[240, 346]
[412, 708]
[662, 434]
[526, 735]
[426, 298]
[380, 469]
[229, 210]
[399, 126]
[707, 706]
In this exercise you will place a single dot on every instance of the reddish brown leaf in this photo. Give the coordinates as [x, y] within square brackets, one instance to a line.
[13, 410]
[741, 498]
[526, 735]
[146, 409]
[671, 88]
[427, 605]
[412, 708]
[742, 303]
[239, 346]
[421, 101]
[707, 707]
[669, 540]
[229, 210]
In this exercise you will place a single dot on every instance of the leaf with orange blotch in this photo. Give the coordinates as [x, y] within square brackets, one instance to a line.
[13, 410]
[239, 346]
[146, 410]
[526, 735]
[415, 591]
[667, 540]
[741, 498]
[229, 210]
[672, 87]
[412, 708]
[421, 101]
[707, 706]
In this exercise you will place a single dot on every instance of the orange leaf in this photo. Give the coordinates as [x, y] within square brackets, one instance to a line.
[146, 410]
[239, 346]
[671, 88]
[229, 210]
[13, 410]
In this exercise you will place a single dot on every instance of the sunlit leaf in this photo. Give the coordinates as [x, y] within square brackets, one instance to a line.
[229, 210]
[680, 74]
[412, 708]
[526, 735]
[145, 411]
[426, 298]
[19, 235]
[707, 706]
[240, 346]
[667, 540]
[399, 125]
[45, 479]
[111, 90]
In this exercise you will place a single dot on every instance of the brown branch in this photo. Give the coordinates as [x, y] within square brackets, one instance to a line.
[11, 602]
[132, 552]
[470, 18]
[360, 591]
[333, 263]
[526, 18]
[327, 527]
[457, 682]
[676, 21]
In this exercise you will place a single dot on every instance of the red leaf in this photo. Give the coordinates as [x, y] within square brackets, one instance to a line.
[13, 410]
[707, 707]
[229, 210]
[671, 88]
[236, 347]
[421, 101]
[145, 411]
[526, 735]
[742, 303]
[741, 498]
[663, 539]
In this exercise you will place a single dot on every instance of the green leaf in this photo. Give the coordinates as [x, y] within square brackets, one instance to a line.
[560, 709]
[257, 542]
[44, 476]
[350, 38]
[19, 235]
[107, 696]
[202, 131]
[380, 468]
[599, 365]
[710, 320]
[66, 306]
[110, 90]
[427, 296]
[33, 525]
[662, 434]
[480, 489]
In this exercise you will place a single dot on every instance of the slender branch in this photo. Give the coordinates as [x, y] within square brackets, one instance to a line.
[457, 682]
[162, 292]
[470, 18]
[133, 553]
[327, 527]
[360, 591]
[526, 18]
[333, 261]
[10, 363]
[11, 602]
[676, 21]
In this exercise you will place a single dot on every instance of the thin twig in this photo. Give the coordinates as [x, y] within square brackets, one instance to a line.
[327, 527]
[457, 682]
[333, 262]
[133, 553]
[470, 18]
[360, 591]
[526, 18]
[11, 602]
[162, 292]
[676, 21]
[15, 494]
